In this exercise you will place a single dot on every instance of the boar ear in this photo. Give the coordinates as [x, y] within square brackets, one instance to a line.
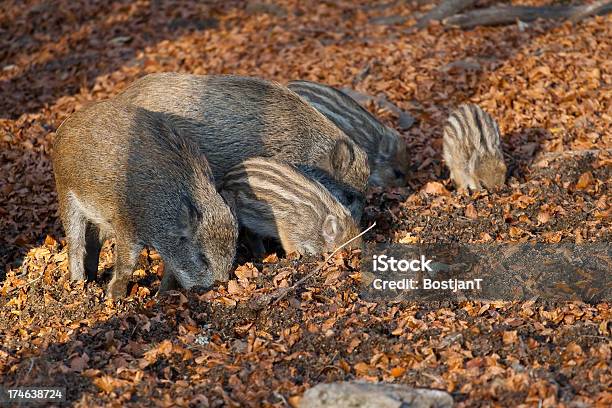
[188, 219]
[342, 156]
[386, 147]
[330, 229]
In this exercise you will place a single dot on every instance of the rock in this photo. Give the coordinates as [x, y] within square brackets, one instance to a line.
[373, 395]
[405, 120]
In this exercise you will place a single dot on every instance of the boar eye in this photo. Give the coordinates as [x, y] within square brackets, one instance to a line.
[399, 174]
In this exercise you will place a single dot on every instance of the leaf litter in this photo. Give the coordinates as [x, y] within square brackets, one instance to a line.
[549, 86]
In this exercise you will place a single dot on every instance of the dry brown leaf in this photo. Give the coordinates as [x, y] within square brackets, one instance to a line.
[294, 401]
[355, 342]
[233, 287]
[543, 217]
[435, 188]
[516, 232]
[409, 239]
[105, 383]
[270, 259]
[397, 371]
[470, 212]
[585, 181]
[510, 337]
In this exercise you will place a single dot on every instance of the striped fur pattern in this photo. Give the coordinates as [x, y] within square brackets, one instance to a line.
[472, 149]
[387, 153]
[273, 199]
[233, 118]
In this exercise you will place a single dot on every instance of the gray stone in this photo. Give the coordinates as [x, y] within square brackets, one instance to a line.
[373, 395]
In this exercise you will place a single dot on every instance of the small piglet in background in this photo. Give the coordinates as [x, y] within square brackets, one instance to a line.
[387, 152]
[233, 118]
[126, 172]
[472, 149]
[273, 199]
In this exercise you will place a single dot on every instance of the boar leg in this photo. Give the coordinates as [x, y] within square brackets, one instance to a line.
[127, 255]
[93, 246]
[75, 224]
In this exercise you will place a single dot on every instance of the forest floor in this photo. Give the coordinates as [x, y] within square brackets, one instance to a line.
[548, 84]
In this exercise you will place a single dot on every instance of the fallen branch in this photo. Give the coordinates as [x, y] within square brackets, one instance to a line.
[445, 9]
[279, 294]
[597, 8]
[500, 15]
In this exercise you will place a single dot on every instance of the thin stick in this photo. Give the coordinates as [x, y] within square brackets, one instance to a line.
[16, 289]
[317, 269]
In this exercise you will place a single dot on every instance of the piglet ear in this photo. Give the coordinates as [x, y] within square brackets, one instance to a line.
[188, 219]
[330, 229]
[342, 157]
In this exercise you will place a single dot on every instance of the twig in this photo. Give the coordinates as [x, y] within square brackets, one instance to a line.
[316, 270]
[10, 292]
[328, 366]
[363, 73]
[30, 282]
[263, 300]
[433, 377]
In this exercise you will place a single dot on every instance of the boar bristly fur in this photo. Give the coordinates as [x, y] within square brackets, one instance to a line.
[233, 118]
[126, 172]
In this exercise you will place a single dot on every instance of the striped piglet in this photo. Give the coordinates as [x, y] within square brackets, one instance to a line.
[273, 199]
[387, 153]
[472, 149]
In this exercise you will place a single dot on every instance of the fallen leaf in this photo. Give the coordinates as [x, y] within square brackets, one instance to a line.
[397, 371]
[543, 217]
[585, 181]
[270, 259]
[409, 239]
[436, 188]
[234, 287]
[105, 383]
[470, 212]
[510, 337]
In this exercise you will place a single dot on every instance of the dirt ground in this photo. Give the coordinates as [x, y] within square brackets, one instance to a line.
[548, 84]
